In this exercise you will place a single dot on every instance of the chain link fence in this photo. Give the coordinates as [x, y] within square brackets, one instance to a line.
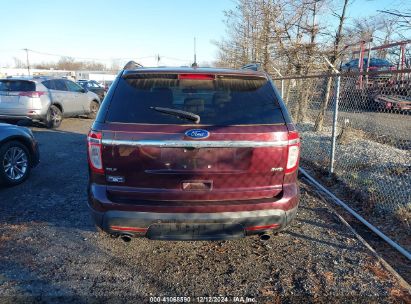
[356, 128]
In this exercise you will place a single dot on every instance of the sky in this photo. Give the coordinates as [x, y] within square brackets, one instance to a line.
[126, 29]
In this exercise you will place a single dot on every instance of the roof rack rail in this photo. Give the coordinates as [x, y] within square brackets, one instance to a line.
[255, 66]
[132, 65]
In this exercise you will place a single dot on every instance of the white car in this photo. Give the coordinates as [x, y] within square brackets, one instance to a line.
[45, 99]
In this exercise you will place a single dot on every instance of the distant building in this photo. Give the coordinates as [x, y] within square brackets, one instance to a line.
[7, 72]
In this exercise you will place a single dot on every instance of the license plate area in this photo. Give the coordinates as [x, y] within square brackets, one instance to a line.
[193, 231]
[208, 159]
[8, 99]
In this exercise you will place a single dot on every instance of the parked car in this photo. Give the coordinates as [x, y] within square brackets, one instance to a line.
[376, 65]
[192, 153]
[107, 84]
[93, 86]
[45, 99]
[18, 154]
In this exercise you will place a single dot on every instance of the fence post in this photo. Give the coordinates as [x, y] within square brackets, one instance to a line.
[335, 118]
[282, 81]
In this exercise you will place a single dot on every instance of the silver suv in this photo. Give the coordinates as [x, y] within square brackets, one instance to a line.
[45, 99]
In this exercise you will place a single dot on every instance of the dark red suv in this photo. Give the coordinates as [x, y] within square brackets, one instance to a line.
[192, 153]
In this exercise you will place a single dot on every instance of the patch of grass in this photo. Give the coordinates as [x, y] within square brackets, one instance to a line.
[403, 215]
[398, 170]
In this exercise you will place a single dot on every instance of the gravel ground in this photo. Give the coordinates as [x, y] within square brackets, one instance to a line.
[381, 170]
[391, 125]
[50, 251]
[371, 177]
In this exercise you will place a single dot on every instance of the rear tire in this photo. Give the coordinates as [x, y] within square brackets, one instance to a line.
[94, 106]
[54, 117]
[15, 163]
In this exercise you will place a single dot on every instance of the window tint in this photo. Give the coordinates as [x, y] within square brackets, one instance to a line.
[217, 102]
[94, 84]
[73, 87]
[17, 85]
[83, 84]
[60, 85]
[49, 84]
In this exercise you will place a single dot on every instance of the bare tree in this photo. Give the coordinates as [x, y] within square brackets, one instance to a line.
[276, 33]
[334, 56]
[68, 63]
[18, 63]
[115, 65]
[404, 17]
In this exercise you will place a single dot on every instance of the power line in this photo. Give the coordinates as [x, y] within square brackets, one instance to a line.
[156, 57]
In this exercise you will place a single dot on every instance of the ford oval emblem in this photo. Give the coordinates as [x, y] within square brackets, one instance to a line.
[197, 133]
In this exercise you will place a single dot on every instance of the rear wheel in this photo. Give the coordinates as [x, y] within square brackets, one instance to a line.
[94, 106]
[15, 163]
[54, 117]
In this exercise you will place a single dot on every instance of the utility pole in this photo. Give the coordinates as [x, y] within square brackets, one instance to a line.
[27, 58]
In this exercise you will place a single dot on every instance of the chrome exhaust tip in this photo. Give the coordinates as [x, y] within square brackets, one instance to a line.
[126, 238]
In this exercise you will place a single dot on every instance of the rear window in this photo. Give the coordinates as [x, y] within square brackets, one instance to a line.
[49, 84]
[17, 85]
[223, 101]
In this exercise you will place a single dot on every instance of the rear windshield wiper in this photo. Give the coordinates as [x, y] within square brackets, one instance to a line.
[178, 113]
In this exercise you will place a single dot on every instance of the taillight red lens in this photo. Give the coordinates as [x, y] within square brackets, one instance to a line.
[253, 228]
[94, 147]
[196, 76]
[293, 151]
[32, 94]
[134, 229]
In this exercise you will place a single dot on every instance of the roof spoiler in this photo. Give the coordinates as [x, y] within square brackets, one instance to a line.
[131, 65]
[255, 66]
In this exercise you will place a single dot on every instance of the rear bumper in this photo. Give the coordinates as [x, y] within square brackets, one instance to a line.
[165, 223]
[33, 116]
[10, 116]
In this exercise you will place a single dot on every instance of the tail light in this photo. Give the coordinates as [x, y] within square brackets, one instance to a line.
[372, 68]
[293, 151]
[32, 94]
[253, 228]
[94, 148]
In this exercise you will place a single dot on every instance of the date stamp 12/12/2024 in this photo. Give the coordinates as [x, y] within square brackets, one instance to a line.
[202, 299]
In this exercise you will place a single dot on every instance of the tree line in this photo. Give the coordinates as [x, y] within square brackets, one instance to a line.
[294, 35]
[69, 63]
[299, 37]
